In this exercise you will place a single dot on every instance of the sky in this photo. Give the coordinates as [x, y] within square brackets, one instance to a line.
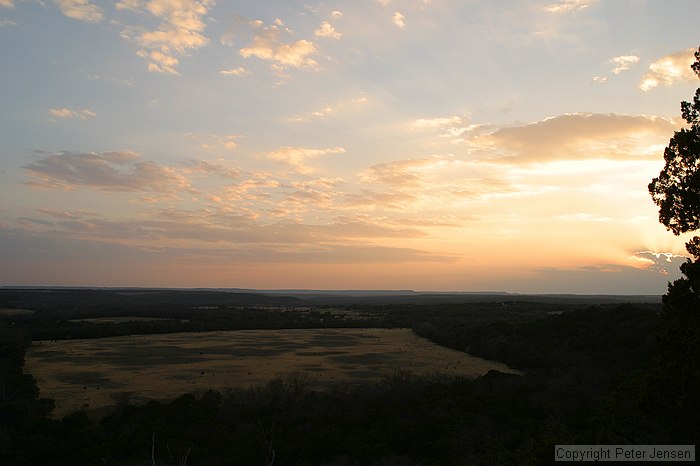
[445, 145]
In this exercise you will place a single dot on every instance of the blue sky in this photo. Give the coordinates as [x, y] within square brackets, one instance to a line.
[432, 145]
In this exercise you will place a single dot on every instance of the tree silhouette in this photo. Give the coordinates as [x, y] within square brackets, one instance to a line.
[677, 188]
[677, 193]
[670, 396]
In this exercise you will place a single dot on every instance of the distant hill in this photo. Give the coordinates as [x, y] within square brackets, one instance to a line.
[40, 297]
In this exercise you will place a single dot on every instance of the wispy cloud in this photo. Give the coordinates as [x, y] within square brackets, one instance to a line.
[669, 69]
[568, 6]
[81, 10]
[9, 4]
[240, 71]
[341, 107]
[7, 22]
[215, 141]
[296, 157]
[453, 128]
[109, 171]
[406, 173]
[82, 114]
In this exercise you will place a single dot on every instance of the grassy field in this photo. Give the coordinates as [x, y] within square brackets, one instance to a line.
[95, 373]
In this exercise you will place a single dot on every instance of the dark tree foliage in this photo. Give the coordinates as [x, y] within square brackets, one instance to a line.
[677, 188]
[662, 403]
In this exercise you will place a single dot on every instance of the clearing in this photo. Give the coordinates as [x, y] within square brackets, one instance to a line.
[94, 374]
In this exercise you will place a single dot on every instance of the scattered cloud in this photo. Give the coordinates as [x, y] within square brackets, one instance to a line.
[399, 20]
[568, 6]
[600, 79]
[82, 114]
[9, 4]
[296, 157]
[336, 14]
[82, 10]
[240, 71]
[267, 45]
[327, 30]
[669, 69]
[180, 31]
[109, 171]
[7, 22]
[623, 63]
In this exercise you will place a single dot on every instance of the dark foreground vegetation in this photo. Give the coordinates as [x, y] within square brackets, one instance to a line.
[594, 374]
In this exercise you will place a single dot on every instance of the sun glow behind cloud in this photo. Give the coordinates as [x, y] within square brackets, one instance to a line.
[337, 146]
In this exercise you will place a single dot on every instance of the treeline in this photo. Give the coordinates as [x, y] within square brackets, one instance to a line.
[46, 327]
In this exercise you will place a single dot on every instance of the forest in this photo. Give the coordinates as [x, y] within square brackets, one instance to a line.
[593, 374]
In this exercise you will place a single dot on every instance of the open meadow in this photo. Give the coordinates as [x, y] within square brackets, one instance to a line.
[93, 374]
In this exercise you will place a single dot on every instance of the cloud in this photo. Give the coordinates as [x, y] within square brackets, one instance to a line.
[9, 4]
[320, 193]
[62, 214]
[453, 128]
[399, 20]
[132, 5]
[372, 200]
[597, 279]
[659, 262]
[83, 114]
[267, 45]
[600, 79]
[623, 63]
[327, 30]
[204, 167]
[405, 173]
[669, 69]
[336, 14]
[215, 141]
[578, 136]
[240, 71]
[296, 157]
[123, 171]
[340, 107]
[568, 6]
[81, 10]
[179, 32]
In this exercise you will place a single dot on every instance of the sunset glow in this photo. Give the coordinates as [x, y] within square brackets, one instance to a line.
[374, 144]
